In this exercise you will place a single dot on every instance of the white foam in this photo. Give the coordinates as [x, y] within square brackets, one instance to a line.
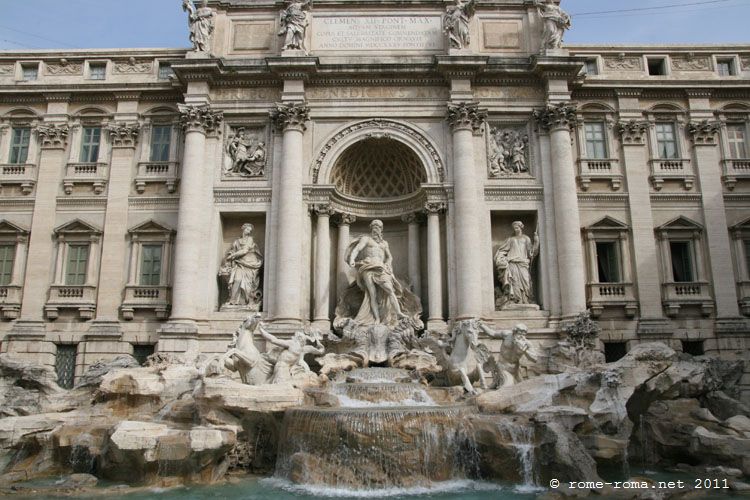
[458, 486]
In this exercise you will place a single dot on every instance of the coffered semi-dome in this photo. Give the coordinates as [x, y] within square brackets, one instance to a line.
[378, 168]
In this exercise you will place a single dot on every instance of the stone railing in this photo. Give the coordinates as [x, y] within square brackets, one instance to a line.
[734, 170]
[693, 293]
[10, 301]
[156, 298]
[94, 174]
[614, 295]
[678, 169]
[156, 172]
[22, 174]
[607, 169]
[80, 297]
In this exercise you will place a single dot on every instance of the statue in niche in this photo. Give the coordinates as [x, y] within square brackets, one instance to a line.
[508, 152]
[513, 261]
[241, 270]
[456, 23]
[376, 297]
[514, 348]
[556, 22]
[201, 22]
[294, 22]
[244, 162]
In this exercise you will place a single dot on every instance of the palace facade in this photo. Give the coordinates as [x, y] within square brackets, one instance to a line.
[128, 178]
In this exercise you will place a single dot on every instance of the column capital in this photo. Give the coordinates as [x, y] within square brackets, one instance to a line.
[53, 136]
[633, 132]
[199, 118]
[290, 116]
[124, 135]
[322, 210]
[344, 219]
[412, 218]
[466, 116]
[557, 116]
[434, 208]
[703, 133]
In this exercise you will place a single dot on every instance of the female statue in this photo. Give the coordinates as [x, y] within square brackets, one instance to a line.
[241, 267]
[201, 22]
[513, 260]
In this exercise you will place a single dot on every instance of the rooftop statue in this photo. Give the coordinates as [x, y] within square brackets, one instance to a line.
[556, 22]
[456, 23]
[201, 23]
[294, 22]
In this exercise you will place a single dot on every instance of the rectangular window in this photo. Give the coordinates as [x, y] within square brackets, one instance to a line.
[65, 365]
[725, 67]
[141, 352]
[657, 66]
[666, 141]
[19, 145]
[608, 261]
[682, 261]
[596, 146]
[90, 141]
[151, 265]
[165, 71]
[7, 255]
[591, 67]
[97, 71]
[737, 141]
[78, 258]
[614, 351]
[161, 140]
[29, 72]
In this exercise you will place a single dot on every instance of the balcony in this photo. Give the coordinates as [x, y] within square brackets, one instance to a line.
[155, 172]
[155, 298]
[694, 293]
[94, 174]
[21, 174]
[611, 295]
[80, 297]
[744, 295]
[10, 301]
[607, 169]
[734, 170]
[678, 169]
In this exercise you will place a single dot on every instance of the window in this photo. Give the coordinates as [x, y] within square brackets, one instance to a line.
[19, 145]
[65, 365]
[737, 141]
[746, 246]
[657, 66]
[608, 261]
[75, 272]
[165, 71]
[596, 146]
[666, 141]
[7, 255]
[682, 261]
[141, 352]
[97, 71]
[29, 72]
[591, 68]
[725, 67]
[693, 347]
[161, 140]
[614, 351]
[151, 265]
[90, 144]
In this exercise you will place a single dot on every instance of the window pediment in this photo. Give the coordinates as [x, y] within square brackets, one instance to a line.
[77, 227]
[9, 229]
[150, 227]
[680, 223]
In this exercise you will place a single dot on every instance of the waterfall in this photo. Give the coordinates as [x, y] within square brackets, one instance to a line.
[522, 439]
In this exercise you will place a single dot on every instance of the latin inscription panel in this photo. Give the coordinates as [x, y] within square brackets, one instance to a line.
[377, 33]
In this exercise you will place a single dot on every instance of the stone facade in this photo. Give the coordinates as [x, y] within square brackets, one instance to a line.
[123, 188]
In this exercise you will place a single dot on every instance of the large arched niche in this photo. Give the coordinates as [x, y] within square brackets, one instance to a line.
[401, 135]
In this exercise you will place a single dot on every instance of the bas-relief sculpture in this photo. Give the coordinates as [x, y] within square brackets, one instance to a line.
[248, 155]
[201, 23]
[513, 260]
[241, 270]
[556, 22]
[294, 22]
[456, 23]
[508, 152]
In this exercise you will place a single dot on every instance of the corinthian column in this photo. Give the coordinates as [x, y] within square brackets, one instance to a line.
[412, 221]
[434, 264]
[344, 221]
[194, 212]
[290, 118]
[558, 119]
[322, 264]
[464, 119]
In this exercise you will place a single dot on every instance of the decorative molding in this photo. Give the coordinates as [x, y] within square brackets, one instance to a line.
[620, 198]
[466, 116]
[153, 202]
[53, 136]
[81, 202]
[124, 135]
[133, 66]
[8, 204]
[6, 69]
[691, 63]
[703, 133]
[623, 63]
[432, 207]
[501, 193]
[290, 116]
[633, 132]
[242, 195]
[344, 219]
[64, 68]
[675, 197]
[200, 118]
[557, 116]
[322, 210]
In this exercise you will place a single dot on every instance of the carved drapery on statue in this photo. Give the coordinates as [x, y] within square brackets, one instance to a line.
[247, 153]
[293, 21]
[241, 271]
[513, 262]
[201, 23]
[556, 22]
[508, 152]
[456, 23]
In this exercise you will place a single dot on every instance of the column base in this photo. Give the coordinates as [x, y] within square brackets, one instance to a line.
[324, 325]
[437, 325]
[285, 327]
[658, 327]
[729, 326]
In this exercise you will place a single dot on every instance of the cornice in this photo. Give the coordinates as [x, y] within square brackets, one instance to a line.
[83, 202]
[675, 197]
[619, 198]
[151, 202]
[515, 193]
[10, 203]
[231, 196]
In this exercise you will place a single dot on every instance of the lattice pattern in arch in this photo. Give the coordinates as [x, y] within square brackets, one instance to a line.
[378, 168]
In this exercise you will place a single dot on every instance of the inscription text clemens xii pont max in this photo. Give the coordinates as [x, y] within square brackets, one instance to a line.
[377, 33]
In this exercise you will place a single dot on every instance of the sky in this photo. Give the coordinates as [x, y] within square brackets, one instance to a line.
[60, 24]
